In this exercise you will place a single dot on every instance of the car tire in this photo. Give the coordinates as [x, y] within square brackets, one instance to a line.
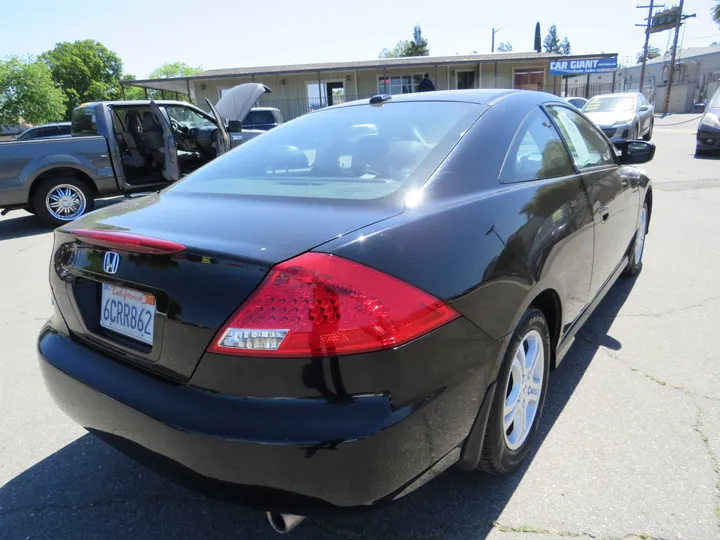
[634, 266]
[64, 189]
[505, 445]
[649, 134]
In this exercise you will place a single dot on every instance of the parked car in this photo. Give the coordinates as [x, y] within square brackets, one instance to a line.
[263, 118]
[329, 317]
[116, 147]
[708, 133]
[578, 102]
[623, 117]
[45, 131]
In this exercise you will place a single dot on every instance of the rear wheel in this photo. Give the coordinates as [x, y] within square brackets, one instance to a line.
[520, 396]
[634, 265]
[63, 199]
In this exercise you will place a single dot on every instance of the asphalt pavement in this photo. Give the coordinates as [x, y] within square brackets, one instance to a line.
[628, 448]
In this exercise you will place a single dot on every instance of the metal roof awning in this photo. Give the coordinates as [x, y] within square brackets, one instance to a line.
[179, 85]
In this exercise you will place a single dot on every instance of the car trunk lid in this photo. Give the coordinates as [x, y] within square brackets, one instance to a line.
[230, 243]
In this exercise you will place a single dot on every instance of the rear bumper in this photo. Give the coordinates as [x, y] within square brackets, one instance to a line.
[295, 455]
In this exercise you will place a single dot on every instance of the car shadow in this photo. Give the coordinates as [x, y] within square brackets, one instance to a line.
[20, 224]
[89, 490]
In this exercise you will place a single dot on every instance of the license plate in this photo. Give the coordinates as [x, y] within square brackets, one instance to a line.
[128, 312]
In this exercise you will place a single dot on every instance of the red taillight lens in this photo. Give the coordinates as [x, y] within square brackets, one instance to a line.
[127, 241]
[321, 305]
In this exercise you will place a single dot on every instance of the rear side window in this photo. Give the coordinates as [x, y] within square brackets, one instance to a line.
[84, 122]
[588, 147]
[64, 130]
[537, 152]
[358, 153]
[51, 131]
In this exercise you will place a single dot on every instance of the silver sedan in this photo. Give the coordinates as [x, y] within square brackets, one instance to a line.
[622, 117]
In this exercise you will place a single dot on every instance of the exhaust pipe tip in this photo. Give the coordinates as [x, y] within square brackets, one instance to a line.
[284, 523]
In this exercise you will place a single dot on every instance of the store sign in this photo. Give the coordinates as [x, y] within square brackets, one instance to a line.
[582, 67]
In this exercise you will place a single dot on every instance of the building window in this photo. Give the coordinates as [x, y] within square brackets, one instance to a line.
[401, 84]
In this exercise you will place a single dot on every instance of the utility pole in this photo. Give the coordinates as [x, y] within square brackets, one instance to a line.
[650, 8]
[678, 23]
[494, 31]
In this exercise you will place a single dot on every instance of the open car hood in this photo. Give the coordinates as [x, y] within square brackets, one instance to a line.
[237, 102]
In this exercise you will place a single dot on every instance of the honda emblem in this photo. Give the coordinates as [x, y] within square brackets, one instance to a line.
[111, 262]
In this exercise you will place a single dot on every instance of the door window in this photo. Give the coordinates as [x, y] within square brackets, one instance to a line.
[64, 130]
[187, 117]
[536, 152]
[588, 147]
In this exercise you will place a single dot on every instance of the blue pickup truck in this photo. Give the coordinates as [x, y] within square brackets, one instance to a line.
[116, 147]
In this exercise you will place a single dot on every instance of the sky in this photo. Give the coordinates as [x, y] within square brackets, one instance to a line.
[237, 33]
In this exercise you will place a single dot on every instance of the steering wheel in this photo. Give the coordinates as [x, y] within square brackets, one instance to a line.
[176, 126]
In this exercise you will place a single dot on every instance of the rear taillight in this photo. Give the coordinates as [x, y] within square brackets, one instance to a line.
[127, 241]
[322, 305]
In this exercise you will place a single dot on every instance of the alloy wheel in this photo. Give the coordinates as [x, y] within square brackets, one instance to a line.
[65, 202]
[640, 236]
[523, 388]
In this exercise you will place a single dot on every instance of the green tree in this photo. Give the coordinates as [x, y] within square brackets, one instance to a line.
[716, 12]
[85, 70]
[565, 46]
[132, 92]
[505, 47]
[28, 92]
[552, 41]
[538, 42]
[395, 52]
[652, 52]
[174, 69]
[418, 46]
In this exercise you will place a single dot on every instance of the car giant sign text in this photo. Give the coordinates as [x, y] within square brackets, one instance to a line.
[581, 67]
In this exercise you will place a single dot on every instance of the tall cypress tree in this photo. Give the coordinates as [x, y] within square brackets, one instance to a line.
[538, 39]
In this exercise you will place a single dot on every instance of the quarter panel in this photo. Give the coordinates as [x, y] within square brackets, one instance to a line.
[490, 255]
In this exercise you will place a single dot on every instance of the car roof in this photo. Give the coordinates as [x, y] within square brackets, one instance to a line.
[51, 124]
[479, 96]
[137, 102]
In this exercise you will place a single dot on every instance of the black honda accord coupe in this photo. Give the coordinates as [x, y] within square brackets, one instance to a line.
[334, 312]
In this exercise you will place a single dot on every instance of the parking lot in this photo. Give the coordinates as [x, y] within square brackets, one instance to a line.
[629, 443]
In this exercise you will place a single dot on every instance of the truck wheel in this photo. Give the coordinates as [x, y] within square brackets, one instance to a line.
[60, 200]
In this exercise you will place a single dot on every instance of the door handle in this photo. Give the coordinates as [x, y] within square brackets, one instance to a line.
[604, 214]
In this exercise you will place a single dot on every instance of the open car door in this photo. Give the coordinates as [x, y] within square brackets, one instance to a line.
[222, 137]
[171, 169]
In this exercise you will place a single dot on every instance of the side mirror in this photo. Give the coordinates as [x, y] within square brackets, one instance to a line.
[234, 126]
[634, 152]
[698, 108]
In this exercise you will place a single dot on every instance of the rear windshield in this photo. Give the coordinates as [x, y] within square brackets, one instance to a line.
[259, 117]
[358, 152]
[83, 122]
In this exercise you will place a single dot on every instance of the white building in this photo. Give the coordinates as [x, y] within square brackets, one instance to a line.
[695, 78]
